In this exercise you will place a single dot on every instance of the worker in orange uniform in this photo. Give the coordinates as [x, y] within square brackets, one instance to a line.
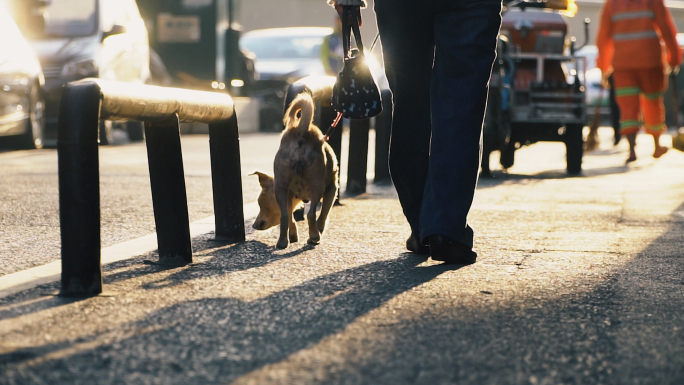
[629, 42]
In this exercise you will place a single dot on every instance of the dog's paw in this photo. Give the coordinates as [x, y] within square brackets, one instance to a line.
[282, 244]
[294, 238]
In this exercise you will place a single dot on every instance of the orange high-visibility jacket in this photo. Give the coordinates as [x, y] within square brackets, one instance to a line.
[631, 33]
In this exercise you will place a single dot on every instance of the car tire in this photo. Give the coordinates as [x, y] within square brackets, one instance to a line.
[32, 138]
[136, 131]
[106, 132]
[574, 145]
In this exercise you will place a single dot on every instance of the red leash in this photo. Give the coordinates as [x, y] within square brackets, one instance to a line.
[332, 126]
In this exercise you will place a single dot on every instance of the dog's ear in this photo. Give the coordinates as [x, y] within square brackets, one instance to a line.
[265, 180]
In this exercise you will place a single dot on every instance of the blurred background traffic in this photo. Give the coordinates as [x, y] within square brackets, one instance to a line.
[251, 49]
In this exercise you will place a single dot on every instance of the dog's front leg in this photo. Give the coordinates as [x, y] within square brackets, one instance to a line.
[284, 203]
[314, 234]
[328, 200]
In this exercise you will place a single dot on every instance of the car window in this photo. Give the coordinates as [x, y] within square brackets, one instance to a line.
[61, 18]
[283, 47]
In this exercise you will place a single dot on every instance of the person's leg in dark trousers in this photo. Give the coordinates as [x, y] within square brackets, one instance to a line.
[406, 32]
[614, 110]
[465, 35]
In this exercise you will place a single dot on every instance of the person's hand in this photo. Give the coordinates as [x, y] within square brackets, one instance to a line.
[355, 13]
[605, 84]
[675, 70]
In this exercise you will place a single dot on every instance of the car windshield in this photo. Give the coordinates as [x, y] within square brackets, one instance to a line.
[283, 47]
[60, 18]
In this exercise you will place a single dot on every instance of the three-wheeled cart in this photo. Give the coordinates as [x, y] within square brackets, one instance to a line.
[536, 90]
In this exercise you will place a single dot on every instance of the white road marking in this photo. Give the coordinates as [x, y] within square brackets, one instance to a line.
[51, 272]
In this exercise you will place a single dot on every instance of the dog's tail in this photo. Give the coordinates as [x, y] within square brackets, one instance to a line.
[299, 115]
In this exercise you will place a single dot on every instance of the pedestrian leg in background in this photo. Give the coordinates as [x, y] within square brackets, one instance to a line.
[627, 95]
[614, 110]
[407, 37]
[593, 142]
[653, 85]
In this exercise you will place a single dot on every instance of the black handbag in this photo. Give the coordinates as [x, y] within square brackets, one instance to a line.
[355, 94]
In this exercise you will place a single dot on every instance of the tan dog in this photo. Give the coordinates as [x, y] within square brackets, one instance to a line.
[305, 170]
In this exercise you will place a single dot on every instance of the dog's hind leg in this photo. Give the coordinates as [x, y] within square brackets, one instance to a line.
[314, 233]
[328, 200]
[292, 227]
[285, 204]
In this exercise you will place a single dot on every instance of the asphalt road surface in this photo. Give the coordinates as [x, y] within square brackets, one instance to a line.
[29, 196]
[579, 280]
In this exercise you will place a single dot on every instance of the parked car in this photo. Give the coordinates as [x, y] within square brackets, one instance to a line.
[283, 56]
[76, 39]
[21, 82]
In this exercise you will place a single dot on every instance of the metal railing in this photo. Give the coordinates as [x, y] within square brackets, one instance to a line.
[86, 102]
[320, 87]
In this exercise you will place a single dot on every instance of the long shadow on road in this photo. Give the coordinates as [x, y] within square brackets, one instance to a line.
[500, 177]
[225, 259]
[627, 329]
[216, 340]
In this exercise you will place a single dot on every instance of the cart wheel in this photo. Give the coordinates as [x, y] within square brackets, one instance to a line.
[507, 155]
[574, 145]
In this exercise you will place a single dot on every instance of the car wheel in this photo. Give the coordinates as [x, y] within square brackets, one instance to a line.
[32, 138]
[106, 132]
[574, 145]
[136, 131]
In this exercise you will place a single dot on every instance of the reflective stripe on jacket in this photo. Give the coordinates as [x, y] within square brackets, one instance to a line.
[631, 32]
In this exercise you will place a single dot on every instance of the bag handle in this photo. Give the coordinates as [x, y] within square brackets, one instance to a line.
[347, 31]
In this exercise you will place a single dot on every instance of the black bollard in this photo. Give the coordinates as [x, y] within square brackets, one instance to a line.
[358, 156]
[383, 129]
[226, 176]
[169, 198]
[87, 101]
[79, 190]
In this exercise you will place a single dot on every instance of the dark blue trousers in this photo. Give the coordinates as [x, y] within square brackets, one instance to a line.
[438, 58]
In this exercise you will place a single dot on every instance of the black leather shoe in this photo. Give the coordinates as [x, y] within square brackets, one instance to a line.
[447, 250]
[413, 244]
